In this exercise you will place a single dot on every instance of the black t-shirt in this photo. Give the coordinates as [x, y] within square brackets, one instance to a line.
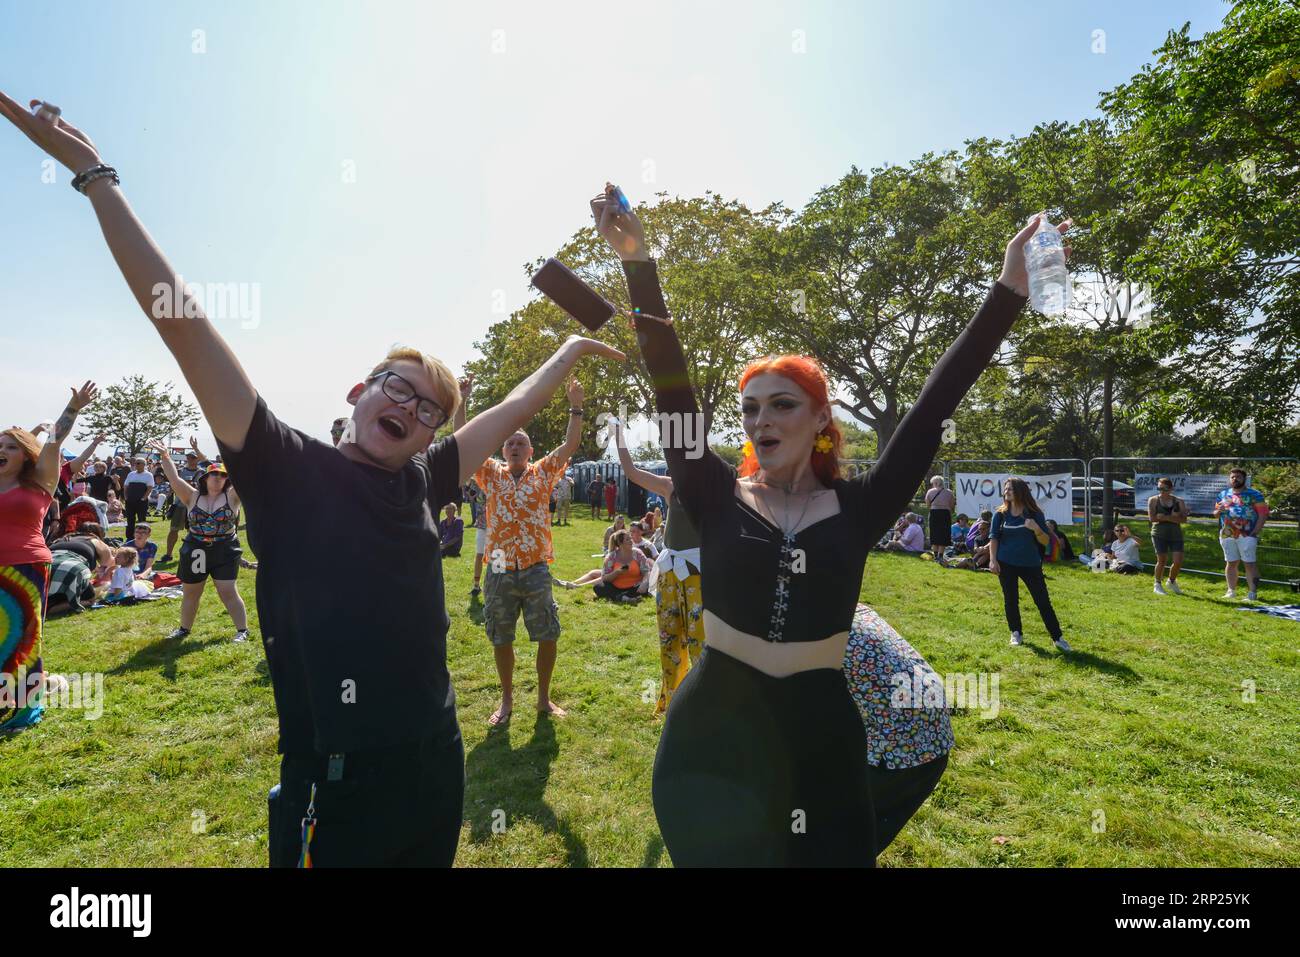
[120, 473]
[99, 486]
[349, 588]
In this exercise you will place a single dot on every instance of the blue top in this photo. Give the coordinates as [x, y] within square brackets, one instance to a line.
[1016, 544]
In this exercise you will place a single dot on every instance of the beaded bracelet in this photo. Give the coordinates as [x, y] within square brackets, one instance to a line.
[80, 182]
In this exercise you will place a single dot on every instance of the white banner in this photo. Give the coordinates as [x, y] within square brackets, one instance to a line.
[1199, 491]
[977, 491]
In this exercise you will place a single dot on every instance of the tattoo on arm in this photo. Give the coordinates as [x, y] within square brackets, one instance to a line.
[64, 426]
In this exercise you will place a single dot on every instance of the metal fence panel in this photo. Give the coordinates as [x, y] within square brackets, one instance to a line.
[1279, 545]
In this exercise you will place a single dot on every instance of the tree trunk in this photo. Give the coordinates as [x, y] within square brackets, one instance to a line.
[1107, 449]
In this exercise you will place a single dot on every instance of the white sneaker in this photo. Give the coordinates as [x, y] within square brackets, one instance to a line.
[1062, 644]
[1173, 587]
[1230, 593]
[1015, 639]
[1158, 590]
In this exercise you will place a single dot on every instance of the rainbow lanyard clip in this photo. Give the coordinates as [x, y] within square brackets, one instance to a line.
[308, 829]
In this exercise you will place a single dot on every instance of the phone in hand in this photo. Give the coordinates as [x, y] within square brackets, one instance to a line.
[620, 201]
[563, 287]
[627, 566]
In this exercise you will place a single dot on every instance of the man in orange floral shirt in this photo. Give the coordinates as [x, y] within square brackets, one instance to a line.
[519, 553]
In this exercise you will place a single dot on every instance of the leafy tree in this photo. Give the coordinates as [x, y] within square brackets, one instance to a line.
[1212, 134]
[696, 244]
[876, 277]
[137, 410]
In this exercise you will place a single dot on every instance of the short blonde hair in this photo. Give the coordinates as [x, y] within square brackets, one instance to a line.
[444, 382]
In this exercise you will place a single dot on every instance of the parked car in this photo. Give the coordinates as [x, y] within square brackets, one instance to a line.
[1121, 495]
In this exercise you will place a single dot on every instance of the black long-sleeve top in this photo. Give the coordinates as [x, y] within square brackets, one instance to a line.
[814, 576]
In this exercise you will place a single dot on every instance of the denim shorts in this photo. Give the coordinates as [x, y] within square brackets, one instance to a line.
[527, 590]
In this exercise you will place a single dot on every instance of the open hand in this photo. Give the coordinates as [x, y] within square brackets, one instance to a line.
[621, 230]
[594, 347]
[84, 396]
[60, 139]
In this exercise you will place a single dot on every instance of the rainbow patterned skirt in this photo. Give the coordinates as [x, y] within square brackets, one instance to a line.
[23, 591]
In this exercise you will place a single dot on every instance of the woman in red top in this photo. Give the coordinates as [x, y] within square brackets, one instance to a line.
[28, 474]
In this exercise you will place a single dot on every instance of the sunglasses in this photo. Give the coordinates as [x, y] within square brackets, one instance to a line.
[430, 414]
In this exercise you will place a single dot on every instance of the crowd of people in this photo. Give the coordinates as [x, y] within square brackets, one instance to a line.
[772, 677]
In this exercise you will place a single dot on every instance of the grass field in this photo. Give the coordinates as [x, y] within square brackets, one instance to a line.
[1138, 750]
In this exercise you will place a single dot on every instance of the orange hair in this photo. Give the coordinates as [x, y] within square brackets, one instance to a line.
[31, 452]
[807, 373]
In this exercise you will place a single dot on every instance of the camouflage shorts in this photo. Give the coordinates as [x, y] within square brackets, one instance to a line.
[506, 594]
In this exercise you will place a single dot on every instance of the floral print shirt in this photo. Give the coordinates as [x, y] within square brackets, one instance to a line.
[518, 512]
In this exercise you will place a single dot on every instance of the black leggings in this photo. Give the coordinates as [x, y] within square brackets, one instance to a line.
[757, 771]
[398, 808]
[135, 512]
[613, 592]
[1009, 576]
[899, 794]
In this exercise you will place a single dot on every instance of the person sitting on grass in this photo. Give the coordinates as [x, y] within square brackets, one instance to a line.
[626, 574]
[114, 511]
[619, 524]
[960, 528]
[451, 531]
[639, 540]
[146, 550]
[123, 575]
[1066, 553]
[911, 540]
[1125, 550]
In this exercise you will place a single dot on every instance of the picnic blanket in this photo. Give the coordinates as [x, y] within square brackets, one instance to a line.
[1277, 611]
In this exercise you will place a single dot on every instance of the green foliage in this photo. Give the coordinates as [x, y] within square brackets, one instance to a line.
[1212, 154]
[135, 411]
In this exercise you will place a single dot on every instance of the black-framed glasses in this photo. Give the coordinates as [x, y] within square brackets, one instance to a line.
[429, 412]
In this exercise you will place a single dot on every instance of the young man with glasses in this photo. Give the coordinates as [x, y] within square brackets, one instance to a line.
[373, 766]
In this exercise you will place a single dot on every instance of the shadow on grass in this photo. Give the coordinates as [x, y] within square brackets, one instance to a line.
[1084, 659]
[163, 654]
[475, 609]
[513, 780]
[654, 852]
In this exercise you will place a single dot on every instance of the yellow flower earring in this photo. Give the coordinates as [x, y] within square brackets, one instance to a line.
[823, 443]
[747, 449]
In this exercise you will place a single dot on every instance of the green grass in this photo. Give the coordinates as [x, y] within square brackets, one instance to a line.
[1145, 724]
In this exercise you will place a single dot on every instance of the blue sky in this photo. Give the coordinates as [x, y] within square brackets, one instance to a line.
[380, 172]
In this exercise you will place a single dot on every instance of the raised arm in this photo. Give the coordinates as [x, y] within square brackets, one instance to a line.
[211, 369]
[699, 476]
[660, 485]
[48, 462]
[488, 430]
[573, 434]
[84, 457]
[183, 489]
[893, 480]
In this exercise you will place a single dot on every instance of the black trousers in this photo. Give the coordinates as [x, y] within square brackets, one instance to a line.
[758, 771]
[1010, 577]
[899, 794]
[396, 808]
[135, 512]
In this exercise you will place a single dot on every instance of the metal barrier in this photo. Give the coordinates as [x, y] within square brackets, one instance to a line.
[1279, 545]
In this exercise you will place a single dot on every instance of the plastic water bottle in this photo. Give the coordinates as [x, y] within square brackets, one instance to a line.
[1049, 282]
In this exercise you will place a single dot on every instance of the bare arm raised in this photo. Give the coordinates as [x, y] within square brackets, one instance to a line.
[661, 485]
[211, 369]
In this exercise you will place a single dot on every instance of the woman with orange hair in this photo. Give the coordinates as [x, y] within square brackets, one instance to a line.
[761, 757]
[28, 474]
